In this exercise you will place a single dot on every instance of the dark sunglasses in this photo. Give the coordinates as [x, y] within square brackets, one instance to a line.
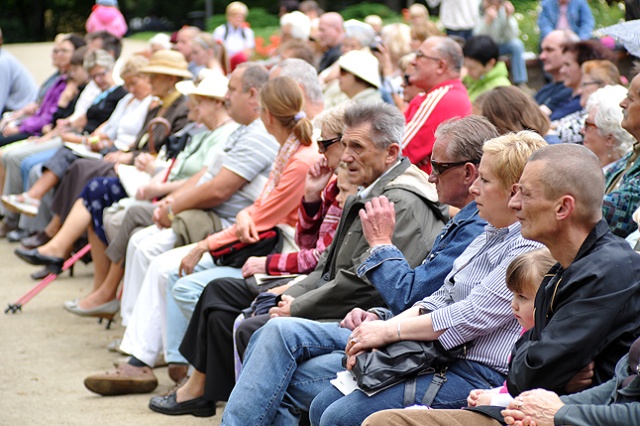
[439, 168]
[323, 144]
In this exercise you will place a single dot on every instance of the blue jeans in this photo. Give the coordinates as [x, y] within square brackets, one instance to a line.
[515, 49]
[288, 362]
[182, 296]
[332, 408]
[33, 160]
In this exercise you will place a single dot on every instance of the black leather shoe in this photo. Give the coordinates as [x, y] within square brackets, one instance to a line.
[35, 258]
[36, 240]
[17, 235]
[198, 407]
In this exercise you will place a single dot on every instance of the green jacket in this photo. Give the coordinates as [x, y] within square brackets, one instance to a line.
[498, 76]
[334, 288]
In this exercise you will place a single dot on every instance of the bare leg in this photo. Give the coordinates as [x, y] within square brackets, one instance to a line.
[193, 388]
[107, 290]
[77, 222]
[46, 182]
[2, 172]
[53, 226]
[101, 262]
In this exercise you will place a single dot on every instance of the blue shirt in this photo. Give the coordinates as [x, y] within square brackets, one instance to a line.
[398, 284]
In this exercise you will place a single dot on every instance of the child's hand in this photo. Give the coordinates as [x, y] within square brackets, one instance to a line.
[479, 397]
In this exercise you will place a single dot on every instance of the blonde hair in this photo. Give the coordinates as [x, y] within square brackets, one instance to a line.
[237, 7]
[133, 65]
[526, 272]
[605, 72]
[331, 119]
[510, 154]
[397, 38]
[284, 100]
[207, 42]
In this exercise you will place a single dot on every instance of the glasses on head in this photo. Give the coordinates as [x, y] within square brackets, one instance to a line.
[406, 79]
[420, 54]
[439, 168]
[591, 83]
[323, 144]
[589, 124]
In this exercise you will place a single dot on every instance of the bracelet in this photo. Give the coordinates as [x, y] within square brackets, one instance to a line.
[399, 338]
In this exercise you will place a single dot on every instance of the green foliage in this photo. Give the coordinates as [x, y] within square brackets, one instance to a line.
[258, 18]
[360, 11]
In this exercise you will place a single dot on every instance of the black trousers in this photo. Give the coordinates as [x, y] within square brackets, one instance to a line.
[208, 342]
[245, 331]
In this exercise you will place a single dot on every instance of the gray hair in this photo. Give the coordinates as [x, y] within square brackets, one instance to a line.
[98, 58]
[450, 51]
[331, 119]
[466, 136]
[253, 76]
[604, 104]
[386, 121]
[304, 74]
[574, 170]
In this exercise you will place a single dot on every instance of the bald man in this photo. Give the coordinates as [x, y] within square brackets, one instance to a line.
[331, 34]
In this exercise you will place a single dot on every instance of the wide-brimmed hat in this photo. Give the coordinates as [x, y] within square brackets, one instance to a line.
[361, 64]
[167, 62]
[186, 87]
[213, 86]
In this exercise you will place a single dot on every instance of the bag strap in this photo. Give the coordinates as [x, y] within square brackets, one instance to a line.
[438, 380]
[409, 392]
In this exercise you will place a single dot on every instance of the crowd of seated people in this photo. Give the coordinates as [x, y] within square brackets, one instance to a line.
[259, 225]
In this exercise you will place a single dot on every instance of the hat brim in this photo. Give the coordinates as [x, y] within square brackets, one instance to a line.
[206, 95]
[377, 83]
[159, 69]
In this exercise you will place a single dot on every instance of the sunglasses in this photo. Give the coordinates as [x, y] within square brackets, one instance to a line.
[439, 168]
[323, 144]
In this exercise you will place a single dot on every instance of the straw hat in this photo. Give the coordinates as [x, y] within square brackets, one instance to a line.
[167, 62]
[214, 86]
[361, 64]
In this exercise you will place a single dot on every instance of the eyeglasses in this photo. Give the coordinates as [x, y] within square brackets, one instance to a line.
[323, 144]
[406, 79]
[588, 124]
[439, 168]
[98, 75]
[56, 51]
[420, 54]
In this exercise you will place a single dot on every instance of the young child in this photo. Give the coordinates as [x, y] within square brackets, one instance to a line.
[524, 275]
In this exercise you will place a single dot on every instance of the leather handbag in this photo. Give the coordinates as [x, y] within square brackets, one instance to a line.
[236, 254]
[379, 369]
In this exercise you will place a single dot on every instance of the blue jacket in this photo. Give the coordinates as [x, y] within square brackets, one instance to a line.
[401, 286]
[578, 14]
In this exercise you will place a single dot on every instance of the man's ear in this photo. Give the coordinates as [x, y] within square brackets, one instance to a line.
[470, 172]
[393, 151]
[565, 207]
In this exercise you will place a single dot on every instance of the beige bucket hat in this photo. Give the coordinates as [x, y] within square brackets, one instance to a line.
[167, 62]
[213, 86]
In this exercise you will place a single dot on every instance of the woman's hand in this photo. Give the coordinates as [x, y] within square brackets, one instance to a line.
[119, 157]
[254, 265]
[191, 260]
[317, 178]
[369, 335]
[145, 162]
[246, 230]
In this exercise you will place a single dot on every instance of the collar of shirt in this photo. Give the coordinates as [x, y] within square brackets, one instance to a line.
[364, 192]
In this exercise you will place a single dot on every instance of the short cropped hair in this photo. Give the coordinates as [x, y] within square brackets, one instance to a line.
[305, 74]
[254, 76]
[510, 153]
[450, 51]
[386, 122]
[466, 137]
[573, 170]
[331, 120]
[526, 272]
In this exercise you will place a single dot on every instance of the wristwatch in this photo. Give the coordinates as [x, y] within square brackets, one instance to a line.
[170, 214]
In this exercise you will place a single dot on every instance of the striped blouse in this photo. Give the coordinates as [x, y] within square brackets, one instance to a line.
[474, 304]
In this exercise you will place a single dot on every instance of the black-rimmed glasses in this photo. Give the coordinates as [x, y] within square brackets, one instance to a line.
[323, 144]
[439, 168]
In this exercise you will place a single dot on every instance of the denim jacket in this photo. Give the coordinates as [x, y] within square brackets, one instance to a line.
[401, 286]
[623, 198]
[578, 14]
